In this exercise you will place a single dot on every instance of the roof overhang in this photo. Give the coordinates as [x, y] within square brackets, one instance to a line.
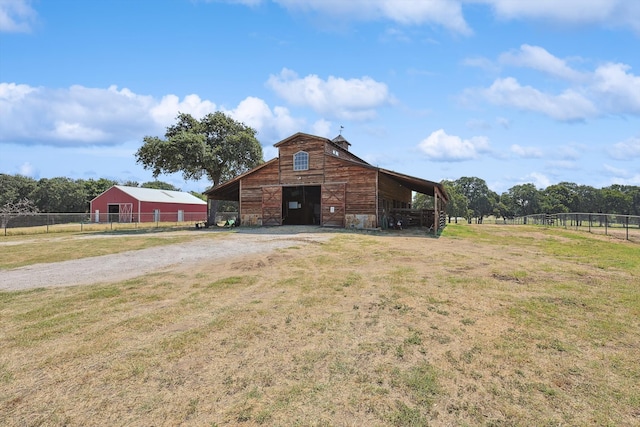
[418, 185]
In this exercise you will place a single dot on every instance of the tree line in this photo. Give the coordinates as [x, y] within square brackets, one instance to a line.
[470, 198]
[20, 193]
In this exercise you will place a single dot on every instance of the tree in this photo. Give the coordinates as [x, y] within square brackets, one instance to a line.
[481, 200]
[216, 146]
[14, 188]
[616, 200]
[521, 200]
[457, 206]
[559, 198]
[422, 201]
[60, 195]
[159, 185]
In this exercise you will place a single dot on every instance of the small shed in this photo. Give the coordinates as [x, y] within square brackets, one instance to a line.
[135, 204]
[315, 180]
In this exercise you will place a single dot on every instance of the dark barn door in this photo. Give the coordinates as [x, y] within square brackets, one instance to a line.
[301, 205]
[272, 205]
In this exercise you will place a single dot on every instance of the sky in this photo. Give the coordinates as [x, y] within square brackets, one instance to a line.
[510, 91]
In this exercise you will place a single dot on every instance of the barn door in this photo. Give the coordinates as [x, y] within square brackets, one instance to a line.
[272, 205]
[333, 205]
[126, 210]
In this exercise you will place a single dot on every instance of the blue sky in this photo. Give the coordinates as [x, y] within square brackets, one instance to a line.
[510, 91]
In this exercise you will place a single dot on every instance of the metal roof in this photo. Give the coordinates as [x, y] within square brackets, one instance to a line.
[160, 196]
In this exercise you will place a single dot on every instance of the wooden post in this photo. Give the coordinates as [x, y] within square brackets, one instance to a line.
[436, 211]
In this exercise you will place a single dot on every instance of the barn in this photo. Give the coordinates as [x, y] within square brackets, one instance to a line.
[134, 204]
[315, 180]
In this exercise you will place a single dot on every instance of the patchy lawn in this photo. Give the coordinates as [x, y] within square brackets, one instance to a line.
[487, 325]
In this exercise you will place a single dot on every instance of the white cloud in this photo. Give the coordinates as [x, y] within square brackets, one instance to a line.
[449, 13]
[452, 148]
[322, 127]
[353, 99]
[570, 105]
[77, 132]
[569, 153]
[540, 59]
[609, 89]
[446, 13]
[621, 176]
[166, 111]
[270, 124]
[607, 13]
[626, 150]
[27, 169]
[618, 89]
[16, 16]
[526, 152]
[73, 116]
[617, 172]
[538, 179]
[80, 116]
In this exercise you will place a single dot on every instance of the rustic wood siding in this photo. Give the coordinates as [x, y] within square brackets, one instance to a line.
[361, 184]
[251, 188]
[315, 148]
[391, 191]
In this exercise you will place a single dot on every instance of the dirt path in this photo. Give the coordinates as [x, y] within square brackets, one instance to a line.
[128, 265]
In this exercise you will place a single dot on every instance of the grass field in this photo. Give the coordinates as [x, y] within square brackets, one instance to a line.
[487, 325]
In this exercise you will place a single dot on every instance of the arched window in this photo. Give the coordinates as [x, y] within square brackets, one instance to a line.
[301, 161]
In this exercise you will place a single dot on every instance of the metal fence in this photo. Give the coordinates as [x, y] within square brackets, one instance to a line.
[13, 224]
[620, 226]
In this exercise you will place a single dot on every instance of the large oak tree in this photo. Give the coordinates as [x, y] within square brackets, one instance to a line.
[216, 146]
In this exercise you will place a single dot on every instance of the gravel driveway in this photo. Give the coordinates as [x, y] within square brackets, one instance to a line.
[128, 265]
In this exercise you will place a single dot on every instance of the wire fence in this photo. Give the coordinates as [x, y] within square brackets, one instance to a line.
[36, 223]
[620, 226]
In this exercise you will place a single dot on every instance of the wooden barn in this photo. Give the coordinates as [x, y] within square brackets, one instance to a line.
[315, 180]
[134, 204]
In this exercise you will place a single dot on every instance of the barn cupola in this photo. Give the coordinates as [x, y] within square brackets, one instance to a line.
[341, 142]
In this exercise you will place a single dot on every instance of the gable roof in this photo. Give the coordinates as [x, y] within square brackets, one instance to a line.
[338, 143]
[160, 196]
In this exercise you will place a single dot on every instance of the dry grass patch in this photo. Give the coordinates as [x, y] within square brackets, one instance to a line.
[484, 326]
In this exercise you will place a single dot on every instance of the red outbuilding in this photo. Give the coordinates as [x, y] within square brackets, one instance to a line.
[135, 204]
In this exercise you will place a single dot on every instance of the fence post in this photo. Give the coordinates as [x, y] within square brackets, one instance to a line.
[606, 224]
[627, 226]
[589, 223]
